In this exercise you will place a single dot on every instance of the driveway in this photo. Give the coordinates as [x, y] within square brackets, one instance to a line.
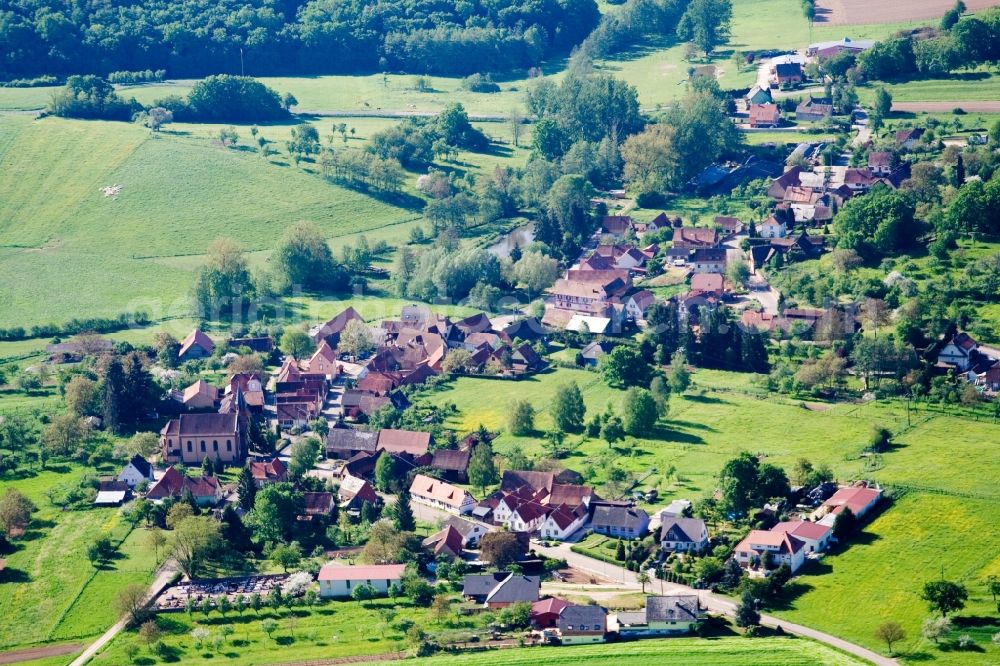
[712, 602]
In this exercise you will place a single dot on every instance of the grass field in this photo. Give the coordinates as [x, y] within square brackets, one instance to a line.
[332, 630]
[717, 652]
[879, 577]
[54, 591]
[89, 255]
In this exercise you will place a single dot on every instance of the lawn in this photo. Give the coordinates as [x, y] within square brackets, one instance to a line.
[331, 630]
[54, 591]
[967, 86]
[879, 577]
[715, 652]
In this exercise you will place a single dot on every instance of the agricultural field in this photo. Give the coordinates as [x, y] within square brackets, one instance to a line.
[716, 652]
[58, 594]
[852, 12]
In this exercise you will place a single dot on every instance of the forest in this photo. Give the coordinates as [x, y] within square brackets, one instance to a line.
[191, 38]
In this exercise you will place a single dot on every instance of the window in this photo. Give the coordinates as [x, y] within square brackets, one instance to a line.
[228, 442]
[348, 585]
[202, 446]
[215, 445]
[229, 445]
[189, 446]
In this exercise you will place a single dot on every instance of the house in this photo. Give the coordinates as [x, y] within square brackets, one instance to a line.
[616, 225]
[764, 115]
[500, 589]
[268, 471]
[453, 464]
[908, 139]
[779, 187]
[354, 492]
[360, 465]
[136, 471]
[579, 625]
[261, 345]
[297, 409]
[989, 379]
[196, 345]
[244, 391]
[859, 499]
[788, 74]
[758, 95]
[525, 516]
[638, 303]
[814, 109]
[318, 505]
[729, 226]
[173, 484]
[190, 438]
[471, 532]
[545, 612]
[441, 495]
[525, 359]
[408, 442]
[679, 534]
[331, 330]
[857, 180]
[112, 493]
[563, 522]
[772, 227]
[619, 521]
[592, 353]
[692, 238]
[345, 443]
[958, 352]
[669, 615]
[336, 581]
[759, 546]
[880, 163]
[707, 284]
[830, 49]
[709, 260]
[200, 395]
[324, 361]
[592, 325]
[445, 543]
[815, 536]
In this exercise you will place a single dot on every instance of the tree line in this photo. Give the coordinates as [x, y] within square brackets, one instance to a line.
[191, 38]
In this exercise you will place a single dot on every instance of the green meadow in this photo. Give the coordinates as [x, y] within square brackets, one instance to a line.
[714, 652]
[53, 591]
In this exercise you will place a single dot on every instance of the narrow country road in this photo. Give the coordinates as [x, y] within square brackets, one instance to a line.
[163, 576]
[709, 601]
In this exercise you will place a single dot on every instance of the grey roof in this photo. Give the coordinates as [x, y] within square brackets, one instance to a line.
[589, 616]
[632, 617]
[672, 608]
[347, 439]
[682, 529]
[480, 585]
[515, 588]
[464, 527]
[207, 424]
[620, 516]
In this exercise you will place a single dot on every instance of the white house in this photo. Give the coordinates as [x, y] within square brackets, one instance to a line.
[563, 522]
[683, 534]
[958, 351]
[527, 517]
[773, 228]
[638, 303]
[781, 547]
[816, 536]
[340, 581]
[441, 495]
[136, 471]
[471, 532]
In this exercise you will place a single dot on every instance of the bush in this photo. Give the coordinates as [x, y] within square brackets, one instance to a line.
[480, 84]
[227, 98]
[91, 98]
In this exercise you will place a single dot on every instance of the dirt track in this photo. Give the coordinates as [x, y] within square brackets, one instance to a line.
[861, 12]
[31, 654]
[947, 107]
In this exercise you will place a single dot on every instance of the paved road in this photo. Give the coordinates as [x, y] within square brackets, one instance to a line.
[711, 602]
[163, 577]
